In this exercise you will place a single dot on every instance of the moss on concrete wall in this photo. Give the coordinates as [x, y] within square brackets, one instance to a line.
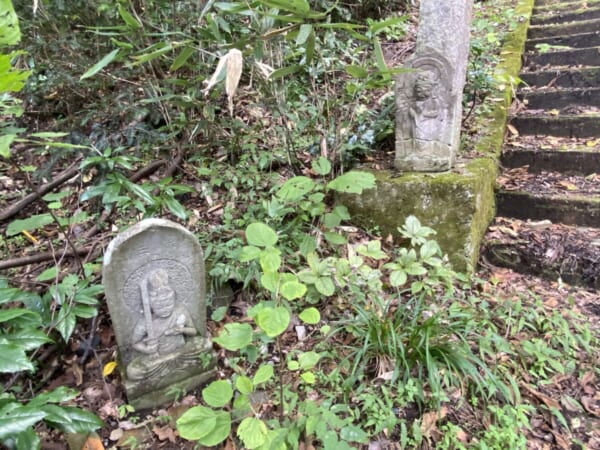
[458, 206]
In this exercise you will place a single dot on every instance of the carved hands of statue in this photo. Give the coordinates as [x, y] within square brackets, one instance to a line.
[148, 346]
[188, 331]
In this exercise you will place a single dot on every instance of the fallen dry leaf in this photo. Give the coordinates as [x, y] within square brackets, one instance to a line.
[164, 433]
[430, 419]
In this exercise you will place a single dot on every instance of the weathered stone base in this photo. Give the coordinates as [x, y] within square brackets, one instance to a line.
[166, 394]
[458, 206]
[423, 156]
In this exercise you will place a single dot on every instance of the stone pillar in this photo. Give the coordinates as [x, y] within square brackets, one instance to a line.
[429, 96]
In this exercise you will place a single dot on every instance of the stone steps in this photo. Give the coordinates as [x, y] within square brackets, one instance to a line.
[573, 57]
[581, 40]
[567, 15]
[562, 29]
[559, 98]
[563, 125]
[551, 155]
[566, 155]
[563, 78]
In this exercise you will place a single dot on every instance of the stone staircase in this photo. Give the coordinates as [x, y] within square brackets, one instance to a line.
[548, 197]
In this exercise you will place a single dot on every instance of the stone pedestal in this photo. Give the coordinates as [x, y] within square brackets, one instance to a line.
[429, 96]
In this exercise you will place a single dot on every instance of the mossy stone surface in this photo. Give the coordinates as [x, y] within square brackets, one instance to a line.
[458, 205]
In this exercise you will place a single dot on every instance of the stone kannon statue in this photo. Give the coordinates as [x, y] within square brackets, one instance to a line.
[423, 100]
[154, 284]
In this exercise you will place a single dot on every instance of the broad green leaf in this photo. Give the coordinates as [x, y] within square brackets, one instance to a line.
[13, 359]
[5, 141]
[244, 385]
[10, 34]
[310, 316]
[176, 208]
[308, 360]
[357, 71]
[100, 65]
[289, 70]
[14, 421]
[371, 250]
[58, 395]
[31, 223]
[196, 423]
[48, 274]
[249, 253]
[263, 374]
[334, 238]
[325, 286]
[252, 432]
[217, 394]
[303, 33]
[181, 59]
[309, 51]
[398, 278]
[220, 432]
[331, 220]
[50, 135]
[352, 433]
[380, 58]
[292, 290]
[273, 321]
[140, 59]
[7, 315]
[65, 323]
[260, 235]
[71, 419]
[270, 259]
[353, 182]
[295, 188]
[270, 281]
[429, 249]
[28, 440]
[235, 336]
[128, 18]
[322, 166]
[27, 338]
[308, 377]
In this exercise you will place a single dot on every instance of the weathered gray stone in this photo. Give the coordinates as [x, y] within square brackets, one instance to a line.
[429, 97]
[154, 282]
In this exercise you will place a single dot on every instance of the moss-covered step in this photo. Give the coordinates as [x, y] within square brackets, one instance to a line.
[581, 210]
[572, 57]
[458, 205]
[565, 125]
[545, 249]
[563, 78]
[563, 29]
[581, 40]
[559, 98]
[568, 15]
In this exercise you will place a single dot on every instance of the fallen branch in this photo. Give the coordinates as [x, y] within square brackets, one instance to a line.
[40, 257]
[67, 174]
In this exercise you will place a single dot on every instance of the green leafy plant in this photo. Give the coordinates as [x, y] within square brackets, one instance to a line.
[24, 330]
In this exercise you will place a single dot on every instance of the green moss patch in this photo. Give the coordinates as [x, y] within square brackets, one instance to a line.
[458, 205]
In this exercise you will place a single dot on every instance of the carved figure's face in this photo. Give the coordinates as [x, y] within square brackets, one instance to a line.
[162, 301]
[162, 296]
[424, 85]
